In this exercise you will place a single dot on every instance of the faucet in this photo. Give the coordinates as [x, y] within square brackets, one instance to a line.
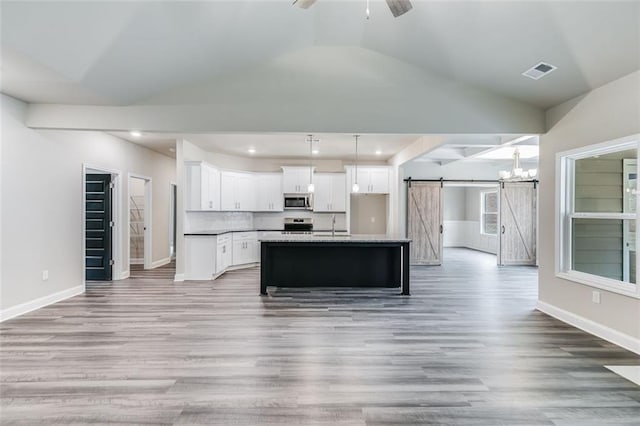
[333, 226]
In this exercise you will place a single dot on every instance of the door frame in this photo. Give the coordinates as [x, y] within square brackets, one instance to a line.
[148, 207]
[117, 272]
[173, 216]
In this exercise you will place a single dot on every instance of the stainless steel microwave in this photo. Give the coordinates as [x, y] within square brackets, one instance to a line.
[299, 202]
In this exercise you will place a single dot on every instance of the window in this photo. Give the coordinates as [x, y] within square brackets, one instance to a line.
[489, 212]
[597, 215]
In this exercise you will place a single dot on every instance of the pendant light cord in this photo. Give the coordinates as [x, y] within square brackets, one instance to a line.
[356, 178]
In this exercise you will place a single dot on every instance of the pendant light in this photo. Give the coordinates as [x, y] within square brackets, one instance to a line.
[355, 187]
[311, 186]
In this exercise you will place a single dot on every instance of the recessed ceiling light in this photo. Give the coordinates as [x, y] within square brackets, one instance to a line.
[252, 151]
[378, 152]
[315, 152]
[135, 133]
[172, 150]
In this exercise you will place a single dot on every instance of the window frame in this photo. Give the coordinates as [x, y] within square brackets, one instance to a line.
[565, 213]
[483, 212]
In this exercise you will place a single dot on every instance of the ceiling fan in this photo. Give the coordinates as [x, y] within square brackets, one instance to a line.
[397, 7]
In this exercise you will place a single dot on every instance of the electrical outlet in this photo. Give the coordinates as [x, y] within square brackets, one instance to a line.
[373, 219]
[595, 297]
[45, 275]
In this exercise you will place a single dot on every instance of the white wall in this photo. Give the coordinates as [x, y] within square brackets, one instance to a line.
[609, 112]
[42, 203]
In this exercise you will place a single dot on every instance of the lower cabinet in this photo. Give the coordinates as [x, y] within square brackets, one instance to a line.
[224, 252]
[207, 256]
[245, 248]
[200, 257]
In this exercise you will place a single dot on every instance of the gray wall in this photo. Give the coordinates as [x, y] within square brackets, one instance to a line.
[41, 178]
[472, 199]
[609, 112]
[368, 214]
[454, 203]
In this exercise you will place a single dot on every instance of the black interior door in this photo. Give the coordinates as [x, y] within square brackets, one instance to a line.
[98, 227]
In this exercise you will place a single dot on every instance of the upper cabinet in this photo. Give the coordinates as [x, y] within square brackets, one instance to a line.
[296, 180]
[237, 191]
[373, 180]
[203, 186]
[330, 192]
[269, 197]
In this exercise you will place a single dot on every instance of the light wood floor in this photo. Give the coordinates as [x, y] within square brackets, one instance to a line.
[466, 348]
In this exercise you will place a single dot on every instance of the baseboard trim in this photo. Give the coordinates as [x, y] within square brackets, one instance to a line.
[178, 278]
[610, 335]
[136, 261]
[125, 274]
[160, 262]
[41, 302]
[243, 266]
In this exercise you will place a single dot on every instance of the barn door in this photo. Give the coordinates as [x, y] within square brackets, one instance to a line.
[518, 217]
[424, 202]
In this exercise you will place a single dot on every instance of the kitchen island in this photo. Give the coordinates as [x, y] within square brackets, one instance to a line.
[334, 261]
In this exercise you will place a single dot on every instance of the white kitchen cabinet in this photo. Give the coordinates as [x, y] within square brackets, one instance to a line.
[270, 197]
[245, 248]
[373, 180]
[237, 192]
[202, 186]
[330, 192]
[295, 180]
[224, 252]
[200, 256]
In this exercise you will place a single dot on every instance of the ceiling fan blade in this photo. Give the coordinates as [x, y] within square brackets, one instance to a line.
[399, 7]
[304, 4]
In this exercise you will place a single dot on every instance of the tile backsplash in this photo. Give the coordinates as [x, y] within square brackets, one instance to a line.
[276, 220]
[214, 221]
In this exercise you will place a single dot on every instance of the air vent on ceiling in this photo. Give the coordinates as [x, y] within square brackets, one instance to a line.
[538, 71]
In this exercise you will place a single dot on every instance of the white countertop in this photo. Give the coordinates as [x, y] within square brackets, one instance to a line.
[359, 238]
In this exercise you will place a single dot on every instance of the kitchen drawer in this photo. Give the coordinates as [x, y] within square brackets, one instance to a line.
[245, 236]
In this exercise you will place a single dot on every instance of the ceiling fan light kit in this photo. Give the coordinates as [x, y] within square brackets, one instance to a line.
[397, 7]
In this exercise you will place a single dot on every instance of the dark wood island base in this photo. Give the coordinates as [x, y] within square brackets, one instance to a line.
[363, 261]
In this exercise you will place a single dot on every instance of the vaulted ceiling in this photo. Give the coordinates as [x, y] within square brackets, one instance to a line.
[229, 74]
[122, 53]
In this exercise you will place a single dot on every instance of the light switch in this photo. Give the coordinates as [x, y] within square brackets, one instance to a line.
[45, 275]
[595, 297]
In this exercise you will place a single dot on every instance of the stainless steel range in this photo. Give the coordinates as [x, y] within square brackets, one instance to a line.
[298, 225]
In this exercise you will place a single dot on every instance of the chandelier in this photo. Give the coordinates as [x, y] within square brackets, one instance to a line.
[517, 173]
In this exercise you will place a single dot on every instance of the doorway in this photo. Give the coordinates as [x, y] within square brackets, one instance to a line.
[139, 214]
[101, 224]
[98, 227]
[470, 217]
[495, 217]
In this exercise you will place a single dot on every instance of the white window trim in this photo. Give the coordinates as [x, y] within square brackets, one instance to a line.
[565, 184]
[482, 212]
